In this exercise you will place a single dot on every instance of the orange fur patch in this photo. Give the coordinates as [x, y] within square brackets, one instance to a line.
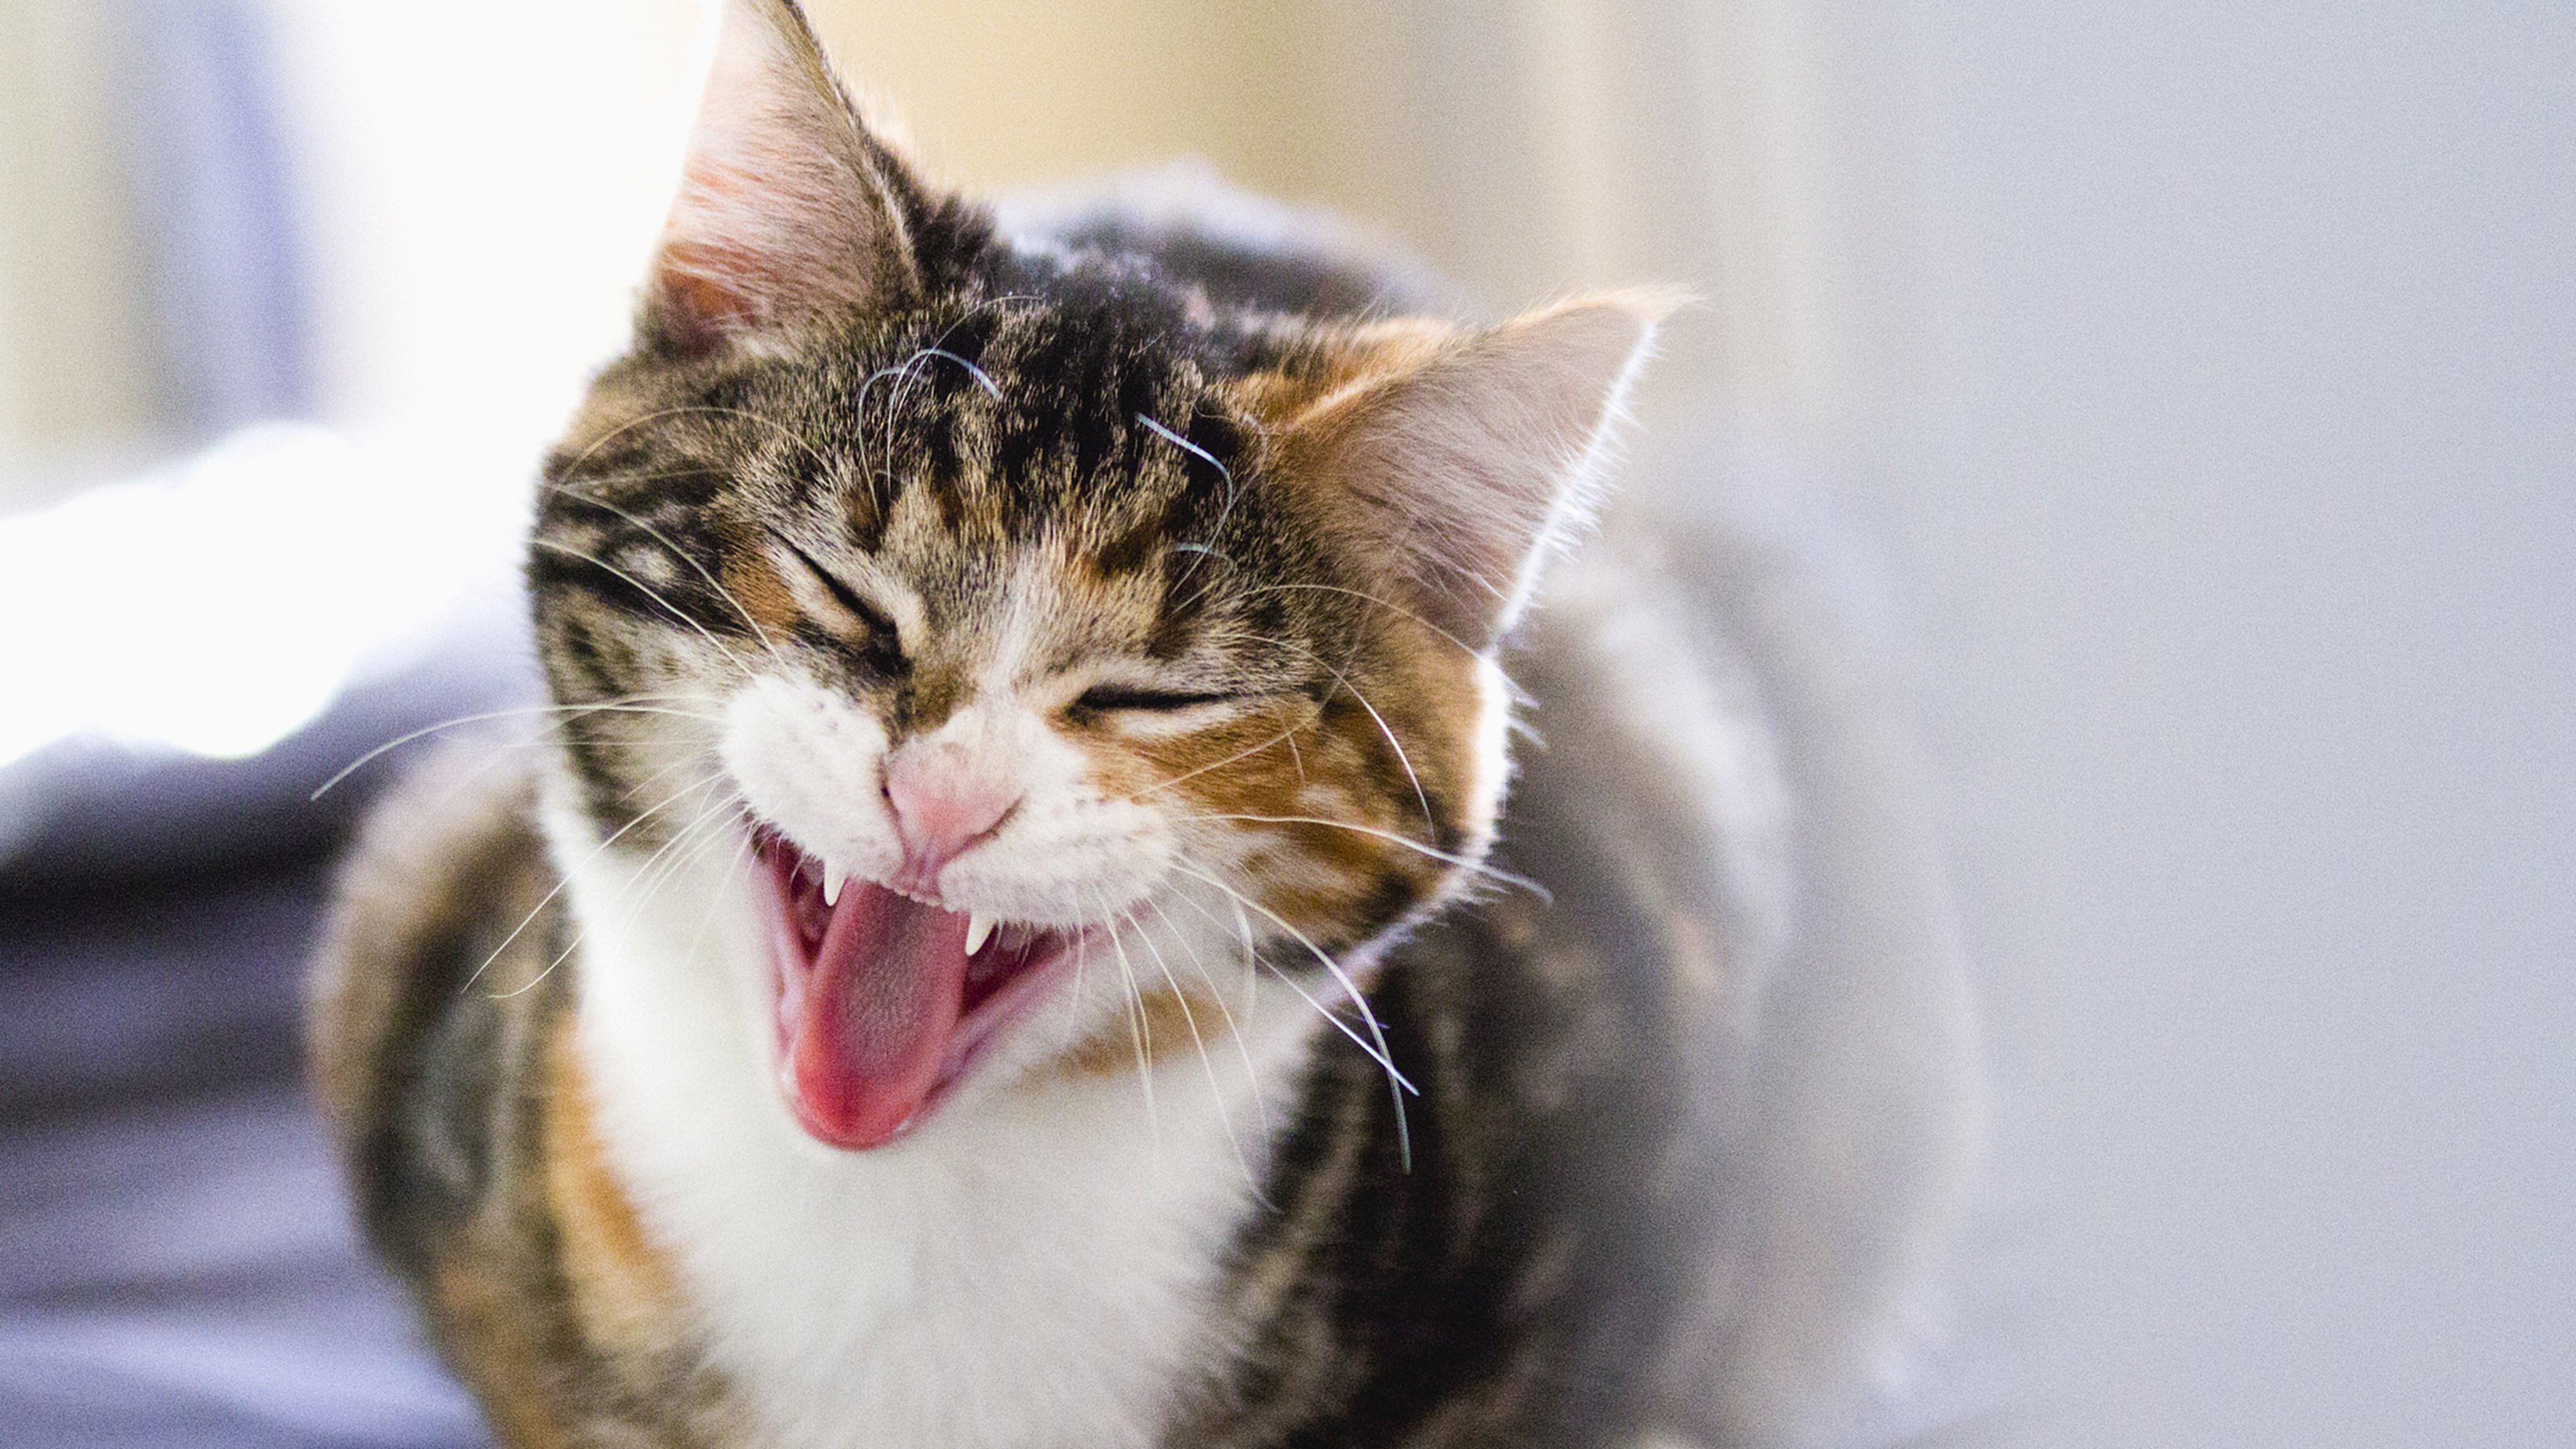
[621, 1282]
[1321, 804]
[1188, 1020]
[487, 1330]
[755, 584]
[1357, 358]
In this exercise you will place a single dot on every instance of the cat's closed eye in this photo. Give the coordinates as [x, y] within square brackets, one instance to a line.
[875, 631]
[1105, 698]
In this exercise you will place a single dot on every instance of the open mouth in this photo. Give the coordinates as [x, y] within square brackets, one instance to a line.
[884, 1000]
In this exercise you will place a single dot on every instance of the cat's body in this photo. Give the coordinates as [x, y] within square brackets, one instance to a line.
[1061, 583]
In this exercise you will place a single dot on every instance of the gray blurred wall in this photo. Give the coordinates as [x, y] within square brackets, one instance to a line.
[2238, 523]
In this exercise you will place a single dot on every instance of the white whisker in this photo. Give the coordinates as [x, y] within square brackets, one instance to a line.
[658, 868]
[649, 592]
[1233, 1025]
[1390, 607]
[1139, 1030]
[1397, 1083]
[1243, 754]
[1217, 530]
[688, 558]
[1478, 867]
[1343, 679]
[564, 879]
[621, 705]
[1216, 1090]
[980, 375]
[903, 373]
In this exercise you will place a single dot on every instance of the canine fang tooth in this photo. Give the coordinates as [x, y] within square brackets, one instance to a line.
[978, 927]
[831, 882]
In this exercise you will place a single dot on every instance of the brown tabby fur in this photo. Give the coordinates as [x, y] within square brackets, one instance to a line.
[1624, 1205]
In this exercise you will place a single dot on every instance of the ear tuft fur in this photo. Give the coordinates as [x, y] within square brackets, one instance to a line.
[1461, 470]
[788, 209]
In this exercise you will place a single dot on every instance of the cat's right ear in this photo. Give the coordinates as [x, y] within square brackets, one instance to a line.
[789, 210]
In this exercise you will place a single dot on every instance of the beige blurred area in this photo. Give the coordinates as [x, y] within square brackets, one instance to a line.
[476, 182]
[1527, 148]
[71, 377]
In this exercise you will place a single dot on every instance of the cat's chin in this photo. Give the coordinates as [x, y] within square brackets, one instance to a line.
[886, 1002]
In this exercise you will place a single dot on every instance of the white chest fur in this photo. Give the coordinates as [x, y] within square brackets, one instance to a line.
[1035, 1267]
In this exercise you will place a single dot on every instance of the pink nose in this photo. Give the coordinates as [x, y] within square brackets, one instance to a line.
[940, 808]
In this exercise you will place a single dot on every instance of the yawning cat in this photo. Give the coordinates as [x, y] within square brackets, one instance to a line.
[1026, 929]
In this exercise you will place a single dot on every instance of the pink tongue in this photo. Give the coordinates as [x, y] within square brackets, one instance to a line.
[879, 1012]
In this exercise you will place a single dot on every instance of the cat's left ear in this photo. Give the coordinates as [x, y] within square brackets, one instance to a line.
[1459, 468]
[789, 210]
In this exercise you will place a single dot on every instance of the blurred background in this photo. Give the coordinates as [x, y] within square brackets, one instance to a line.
[2180, 399]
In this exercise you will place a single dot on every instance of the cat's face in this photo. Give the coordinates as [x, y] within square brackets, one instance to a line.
[1028, 633]
[978, 634]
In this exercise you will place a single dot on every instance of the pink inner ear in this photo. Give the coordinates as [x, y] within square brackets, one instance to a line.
[782, 212]
[700, 310]
[1460, 474]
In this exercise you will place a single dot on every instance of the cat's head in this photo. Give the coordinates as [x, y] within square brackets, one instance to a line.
[1023, 625]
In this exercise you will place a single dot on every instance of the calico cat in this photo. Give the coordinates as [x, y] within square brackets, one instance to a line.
[1025, 929]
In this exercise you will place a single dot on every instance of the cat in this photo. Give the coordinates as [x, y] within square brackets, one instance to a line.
[1031, 925]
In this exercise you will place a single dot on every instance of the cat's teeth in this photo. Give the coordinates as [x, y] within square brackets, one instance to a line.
[831, 882]
[978, 927]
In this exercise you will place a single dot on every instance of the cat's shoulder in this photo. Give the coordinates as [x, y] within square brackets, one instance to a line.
[1711, 717]
[412, 917]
